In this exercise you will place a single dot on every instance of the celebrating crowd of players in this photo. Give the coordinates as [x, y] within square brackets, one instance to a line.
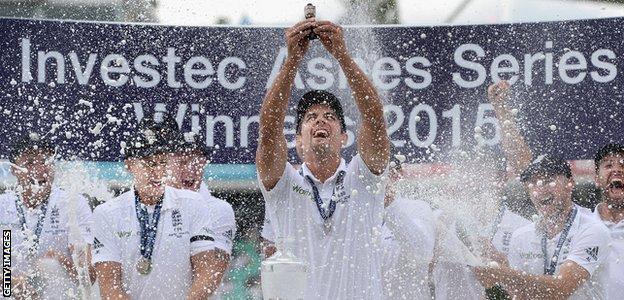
[169, 238]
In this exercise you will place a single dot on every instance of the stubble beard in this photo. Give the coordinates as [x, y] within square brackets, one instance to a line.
[616, 203]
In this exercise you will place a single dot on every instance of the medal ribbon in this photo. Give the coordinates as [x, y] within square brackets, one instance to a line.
[148, 231]
[550, 266]
[326, 213]
[38, 228]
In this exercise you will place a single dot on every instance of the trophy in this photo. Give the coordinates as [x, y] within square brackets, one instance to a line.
[310, 12]
[284, 276]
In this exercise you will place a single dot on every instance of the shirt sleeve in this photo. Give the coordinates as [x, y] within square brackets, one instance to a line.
[375, 184]
[591, 248]
[105, 246]
[267, 230]
[213, 227]
[278, 193]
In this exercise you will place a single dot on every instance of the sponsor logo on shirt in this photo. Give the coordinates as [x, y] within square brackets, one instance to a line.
[54, 218]
[506, 241]
[124, 234]
[507, 238]
[97, 244]
[301, 191]
[208, 231]
[176, 223]
[531, 255]
[176, 220]
[592, 254]
[341, 195]
[229, 234]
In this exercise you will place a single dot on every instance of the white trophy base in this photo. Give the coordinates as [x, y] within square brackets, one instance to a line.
[283, 279]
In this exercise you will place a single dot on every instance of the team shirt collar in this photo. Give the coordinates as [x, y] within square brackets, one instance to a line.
[169, 202]
[52, 198]
[606, 222]
[204, 191]
[306, 172]
[573, 226]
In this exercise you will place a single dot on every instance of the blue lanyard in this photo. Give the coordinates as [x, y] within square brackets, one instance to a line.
[551, 265]
[326, 213]
[148, 231]
[38, 228]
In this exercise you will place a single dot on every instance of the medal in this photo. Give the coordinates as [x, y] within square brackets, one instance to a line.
[144, 266]
[326, 212]
[148, 236]
[327, 227]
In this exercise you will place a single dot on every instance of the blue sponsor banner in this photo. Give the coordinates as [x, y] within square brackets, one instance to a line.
[85, 85]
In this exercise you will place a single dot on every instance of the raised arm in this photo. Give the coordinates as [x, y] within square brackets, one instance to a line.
[372, 138]
[208, 269]
[517, 152]
[272, 149]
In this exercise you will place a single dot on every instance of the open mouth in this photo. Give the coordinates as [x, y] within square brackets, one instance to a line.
[546, 201]
[616, 184]
[320, 133]
[38, 182]
[188, 183]
[156, 183]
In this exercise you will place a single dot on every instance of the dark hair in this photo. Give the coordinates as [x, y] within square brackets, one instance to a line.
[319, 97]
[163, 125]
[546, 165]
[191, 142]
[153, 136]
[607, 149]
[29, 142]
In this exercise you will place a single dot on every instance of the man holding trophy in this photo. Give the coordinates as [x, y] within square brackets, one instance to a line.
[331, 210]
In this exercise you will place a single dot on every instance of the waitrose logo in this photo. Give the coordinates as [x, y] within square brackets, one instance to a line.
[301, 191]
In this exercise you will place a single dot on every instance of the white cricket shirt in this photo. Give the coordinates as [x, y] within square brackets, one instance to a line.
[345, 263]
[185, 216]
[615, 261]
[587, 244]
[509, 223]
[55, 234]
[408, 239]
[454, 281]
[226, 224]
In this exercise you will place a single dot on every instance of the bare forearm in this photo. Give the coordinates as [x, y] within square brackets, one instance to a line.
[373, 142]
[531, 286]
[516, 150]
[109, 277]
[275, 102]
[208, 269]
[68, 265]
[201, 289]
[112, 290]
[272, 150]
[114, 295]
[364, 92]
